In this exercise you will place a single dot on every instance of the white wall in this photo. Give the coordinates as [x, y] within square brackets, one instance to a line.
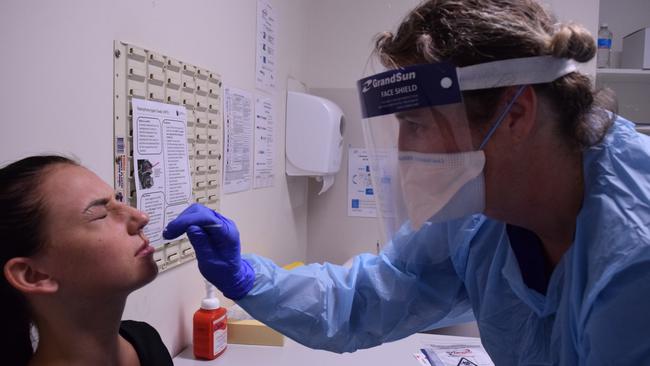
[583, 12]
[338, 43]
[332, 235]
[57, 69]
[624, 17]
[340, 34]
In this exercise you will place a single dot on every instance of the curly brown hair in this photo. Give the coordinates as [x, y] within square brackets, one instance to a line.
[468, 32]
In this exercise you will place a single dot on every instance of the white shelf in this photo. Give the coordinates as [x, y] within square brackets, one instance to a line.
[623, 75]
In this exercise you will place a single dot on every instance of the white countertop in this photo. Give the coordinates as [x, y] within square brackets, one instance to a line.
[395, 353]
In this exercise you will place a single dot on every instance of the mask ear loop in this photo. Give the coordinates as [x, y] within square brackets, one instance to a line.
[502, 116]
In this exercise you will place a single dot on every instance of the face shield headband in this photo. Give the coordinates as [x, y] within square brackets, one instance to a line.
[424, 165]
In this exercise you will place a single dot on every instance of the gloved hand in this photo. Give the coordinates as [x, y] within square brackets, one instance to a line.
[216, 242]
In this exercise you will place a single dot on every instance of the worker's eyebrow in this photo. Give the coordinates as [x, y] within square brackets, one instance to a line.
[97, 202]
[404, 115]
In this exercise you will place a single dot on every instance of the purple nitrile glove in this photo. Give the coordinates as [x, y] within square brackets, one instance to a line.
[215, 239]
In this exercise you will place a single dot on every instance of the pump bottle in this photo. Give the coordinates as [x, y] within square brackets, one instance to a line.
[209, 327]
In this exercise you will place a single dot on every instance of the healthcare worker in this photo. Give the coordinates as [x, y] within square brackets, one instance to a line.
[508, 192]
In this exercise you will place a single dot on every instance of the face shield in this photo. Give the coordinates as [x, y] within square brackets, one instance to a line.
[425, 165]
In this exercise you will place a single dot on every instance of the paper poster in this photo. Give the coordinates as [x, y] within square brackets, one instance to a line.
[421, 358]
[161, 168]
[361, 195]
[263, 167]
[457, 355]
[266, 46]
[238, 113]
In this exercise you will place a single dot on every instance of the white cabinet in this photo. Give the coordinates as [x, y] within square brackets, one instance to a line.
[632, 88]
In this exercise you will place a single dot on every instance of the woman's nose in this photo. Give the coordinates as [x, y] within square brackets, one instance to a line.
[137, 220]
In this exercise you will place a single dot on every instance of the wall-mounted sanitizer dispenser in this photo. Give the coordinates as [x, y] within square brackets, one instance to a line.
[314, 137]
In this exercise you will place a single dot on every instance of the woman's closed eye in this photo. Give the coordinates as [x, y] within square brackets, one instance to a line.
[97, 209]
[97, 213]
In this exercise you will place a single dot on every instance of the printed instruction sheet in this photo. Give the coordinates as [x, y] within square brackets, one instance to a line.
[238, 115]
[361, 195]
[456, 355]
[264, 112]
[163, 182]
[266, 46]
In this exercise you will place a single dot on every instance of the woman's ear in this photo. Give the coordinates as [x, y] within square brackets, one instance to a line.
[23, 274]
[522, 116]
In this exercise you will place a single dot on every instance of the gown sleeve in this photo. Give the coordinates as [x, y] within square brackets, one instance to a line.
[413, 285]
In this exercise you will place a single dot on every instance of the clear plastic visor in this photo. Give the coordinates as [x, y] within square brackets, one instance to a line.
[409, 114]
[423, 155]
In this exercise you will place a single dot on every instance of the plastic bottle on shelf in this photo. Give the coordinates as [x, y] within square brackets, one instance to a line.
[209, 327]
[603, 58]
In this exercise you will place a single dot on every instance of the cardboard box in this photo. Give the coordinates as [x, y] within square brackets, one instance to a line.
[636, 50]
[253, 332]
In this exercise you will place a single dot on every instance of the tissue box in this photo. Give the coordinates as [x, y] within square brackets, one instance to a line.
[253, 332]
[636, 50]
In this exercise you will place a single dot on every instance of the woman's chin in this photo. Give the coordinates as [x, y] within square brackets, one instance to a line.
[148, 274]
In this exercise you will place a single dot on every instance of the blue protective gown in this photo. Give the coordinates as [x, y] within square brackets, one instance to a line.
[596, 310]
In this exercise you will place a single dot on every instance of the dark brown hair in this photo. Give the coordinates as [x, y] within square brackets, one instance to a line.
[468, 32]
[21, 235]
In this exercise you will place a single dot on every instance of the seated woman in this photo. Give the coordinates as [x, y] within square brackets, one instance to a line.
[71, 254]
